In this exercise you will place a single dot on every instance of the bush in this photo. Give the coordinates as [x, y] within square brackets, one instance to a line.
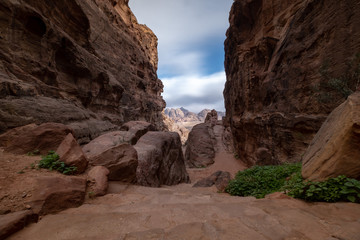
[260, 181]
[336, 189]
[52, 162]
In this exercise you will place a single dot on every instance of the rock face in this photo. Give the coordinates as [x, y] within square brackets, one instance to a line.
[71, 153]
[86, 64]
[161, 161]
[54, 194]
[47, 136]
[335, 149]
[184, 115]
[98, 178]
[120, 158]
[200, 150]
[288, 65]
[171, 126]
[11, 223]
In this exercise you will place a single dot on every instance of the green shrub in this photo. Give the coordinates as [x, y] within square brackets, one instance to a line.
[52, 162]
[259, 181]
[336, 189]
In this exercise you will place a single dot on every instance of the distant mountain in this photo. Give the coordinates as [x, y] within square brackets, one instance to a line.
[184, 115]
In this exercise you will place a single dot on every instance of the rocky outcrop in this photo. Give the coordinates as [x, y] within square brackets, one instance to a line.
[86, 64]
[184, 115]
[288, 65]
[71, 154]
[211, 117]
[29, 138]
[98, 181]
[335, 149]
[220, 179]
[13, 222]
[171, 126]
[54, 194]
[137, 129]
[200, 147]
[161, 160]
[120, 158]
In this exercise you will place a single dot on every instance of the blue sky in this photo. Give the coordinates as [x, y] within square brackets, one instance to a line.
[191, 36]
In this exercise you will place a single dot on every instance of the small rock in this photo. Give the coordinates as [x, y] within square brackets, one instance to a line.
[27, 206]
[24, 195]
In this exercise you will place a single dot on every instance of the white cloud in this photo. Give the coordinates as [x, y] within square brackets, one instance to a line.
[186, 31]
[195, 92]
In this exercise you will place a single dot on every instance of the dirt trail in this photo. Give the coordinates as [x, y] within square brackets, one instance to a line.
[223, 161]
[131, 212]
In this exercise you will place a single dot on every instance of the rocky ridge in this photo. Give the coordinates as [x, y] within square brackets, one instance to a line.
[288, 65]
[86, 64]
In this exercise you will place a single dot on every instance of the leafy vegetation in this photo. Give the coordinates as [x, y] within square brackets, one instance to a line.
[52, 162]
[336, 189]
[259, 181]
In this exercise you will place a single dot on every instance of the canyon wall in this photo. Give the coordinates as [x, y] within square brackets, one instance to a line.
[288, 65]
[84, 63]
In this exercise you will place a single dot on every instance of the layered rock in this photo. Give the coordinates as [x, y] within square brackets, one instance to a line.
[86, 64]
[29, 138]
[161, 160]
[288, 65]
[335, 149]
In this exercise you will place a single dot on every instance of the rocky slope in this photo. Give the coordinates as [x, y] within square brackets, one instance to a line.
[87, 64]
[288, 64]
[184, 115]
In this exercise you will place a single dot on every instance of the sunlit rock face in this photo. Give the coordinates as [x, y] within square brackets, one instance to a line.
[288, 65]
[87, 64]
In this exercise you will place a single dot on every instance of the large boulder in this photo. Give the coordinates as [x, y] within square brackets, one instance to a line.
[71, 153]
[200, 151]
[335, 149]
[111, 151]
[212, 117]
[161, 161]
[98, 179]
[13, 222]
[44, 138]
[220, 179]
[137, 129]
[54, 194]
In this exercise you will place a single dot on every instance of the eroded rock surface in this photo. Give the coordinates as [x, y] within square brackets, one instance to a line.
[86, 64]
[161, 160]
[200, 148]
[71, 153]
[29, 138]
[335, 149]
[98, 181]
[281, 61]
[13, 222]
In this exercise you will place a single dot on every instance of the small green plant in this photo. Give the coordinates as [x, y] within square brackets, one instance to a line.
[34, 153]
[259, 181]
[52, 162]
[336, 189]
[91, 195]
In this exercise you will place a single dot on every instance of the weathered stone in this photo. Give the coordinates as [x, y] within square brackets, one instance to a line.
[335, 149]
[121, 159]
[220, 179]
[161, 161]
[138, 129]
[13, 222]
[71, 153]
[53, 194]
[279, 58]
[212, 117]
[45, 137]
[98, 178]
[60, 64]
[200, 150]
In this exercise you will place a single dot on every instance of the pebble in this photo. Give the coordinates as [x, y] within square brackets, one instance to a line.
[24, 195]
[27, 206]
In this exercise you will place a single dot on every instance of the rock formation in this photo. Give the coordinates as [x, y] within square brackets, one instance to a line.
[288, 65]
[184, 115]
[161, 160]
[86, 64]
[335, 149]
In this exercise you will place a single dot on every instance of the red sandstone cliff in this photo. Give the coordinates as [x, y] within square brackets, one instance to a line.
[288, 64]
[87, 64]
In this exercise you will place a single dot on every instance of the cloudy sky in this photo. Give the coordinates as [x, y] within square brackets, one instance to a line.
[191, 37]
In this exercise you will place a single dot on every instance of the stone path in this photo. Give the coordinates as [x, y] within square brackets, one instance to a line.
[184, 213]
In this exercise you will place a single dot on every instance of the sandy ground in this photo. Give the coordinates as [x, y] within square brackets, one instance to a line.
[223, 161]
